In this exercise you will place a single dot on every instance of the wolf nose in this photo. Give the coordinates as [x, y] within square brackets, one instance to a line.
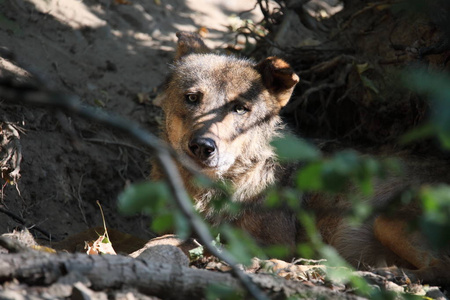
[202, 147]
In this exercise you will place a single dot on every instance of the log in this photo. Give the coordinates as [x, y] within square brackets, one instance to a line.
[111, 271]
[116, 272]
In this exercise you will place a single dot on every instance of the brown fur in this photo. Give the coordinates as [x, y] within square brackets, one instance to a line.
[223, 111]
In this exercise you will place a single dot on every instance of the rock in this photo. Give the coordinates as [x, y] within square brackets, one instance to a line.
[165, 254]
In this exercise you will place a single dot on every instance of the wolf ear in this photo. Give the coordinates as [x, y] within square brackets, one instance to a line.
[189, 42]
[278, 77]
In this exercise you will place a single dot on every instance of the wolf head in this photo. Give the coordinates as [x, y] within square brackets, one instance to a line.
[221, 110]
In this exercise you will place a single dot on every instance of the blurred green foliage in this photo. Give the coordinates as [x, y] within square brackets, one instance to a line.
[435, 200]
[223, 292]
[436, 88]
[147, 197]
[291, 148]
[435, 221]
[332, 174]
[154, 198]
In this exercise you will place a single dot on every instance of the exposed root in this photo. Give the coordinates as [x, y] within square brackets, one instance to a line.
[381, 5]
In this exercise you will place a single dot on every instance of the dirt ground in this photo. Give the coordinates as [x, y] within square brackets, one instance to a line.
[113, 54]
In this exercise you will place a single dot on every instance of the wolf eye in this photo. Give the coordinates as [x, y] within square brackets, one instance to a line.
[240, 109]
[192, 98]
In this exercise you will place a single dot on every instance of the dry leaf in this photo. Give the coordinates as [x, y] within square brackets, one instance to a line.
[293, 271]
[100, 246]
[90, 248]
[218, 266]
[43, 249]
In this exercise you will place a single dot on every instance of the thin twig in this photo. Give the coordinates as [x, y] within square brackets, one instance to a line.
[71, 104]
[80, 200]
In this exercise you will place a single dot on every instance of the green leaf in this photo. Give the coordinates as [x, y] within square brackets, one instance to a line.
[292, 148]
[217, 241]
[368, 168]
[163, 222]
[418, 133]
[360, 211]
[196, 253]
[182, 227]
[241, 245]
[361, 68]
[277, 251]
[223, 292]
[305, 250]
[333, 180]
[369, 84]
[146, 196]
[272, 198]
[338, 171]
[444, 137]
[345, 162]
[435, 222]
[310, 177]
[437, 87]
[99, 103]
[425, 82]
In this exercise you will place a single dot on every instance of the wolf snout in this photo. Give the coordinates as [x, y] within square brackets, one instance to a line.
[202, 148]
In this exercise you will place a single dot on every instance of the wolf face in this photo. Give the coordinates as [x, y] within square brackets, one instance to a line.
[221, 110]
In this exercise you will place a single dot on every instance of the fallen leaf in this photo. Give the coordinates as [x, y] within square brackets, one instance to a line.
[100, 246]
[43, 249]
[293, 271]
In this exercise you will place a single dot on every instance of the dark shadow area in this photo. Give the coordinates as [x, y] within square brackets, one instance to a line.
[108, 55]
[112, 54]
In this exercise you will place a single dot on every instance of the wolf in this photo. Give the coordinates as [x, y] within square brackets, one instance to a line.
[223, 112]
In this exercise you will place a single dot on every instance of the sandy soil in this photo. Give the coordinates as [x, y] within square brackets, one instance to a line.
[107, 52]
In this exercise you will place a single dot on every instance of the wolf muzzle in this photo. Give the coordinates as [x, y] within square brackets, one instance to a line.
[202, 148]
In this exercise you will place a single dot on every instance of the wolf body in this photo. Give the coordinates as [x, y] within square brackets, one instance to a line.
[223, 112]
